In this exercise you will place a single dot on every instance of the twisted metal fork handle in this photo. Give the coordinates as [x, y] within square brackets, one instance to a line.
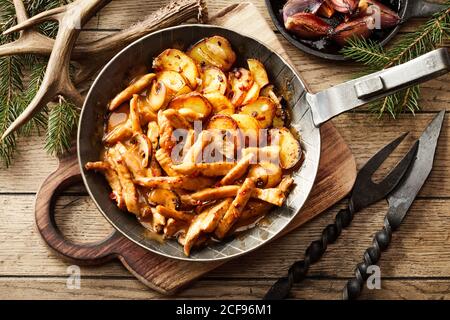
[297, 272]
[372, 255]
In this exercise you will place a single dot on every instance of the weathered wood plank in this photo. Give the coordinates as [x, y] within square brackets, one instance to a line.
[56, 288]
[423, 238]
[366, 134]
[30, 167]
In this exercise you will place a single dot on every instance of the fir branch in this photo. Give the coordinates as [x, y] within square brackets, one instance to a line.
[48, 28]
[8, 112]
[10, 83]
[368, 52]
[62, 121]
[7, 15]
[39, 121]
[427, 37]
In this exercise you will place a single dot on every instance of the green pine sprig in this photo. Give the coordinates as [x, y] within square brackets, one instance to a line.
[62, 121]
[427, 37]
[20, 79]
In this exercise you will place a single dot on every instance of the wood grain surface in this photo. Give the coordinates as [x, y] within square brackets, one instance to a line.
[416, 267]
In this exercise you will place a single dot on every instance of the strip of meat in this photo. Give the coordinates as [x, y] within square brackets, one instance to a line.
[214, 169]
[153, 134]
[238, 171]
[166, 140]
[254, 209]
[188, 183]
[129, 192]
[174, 214]
[165, 161]
[158, 221]
[174, 228]
[112, 178]
[137, 87]
[235, 210]
[205, 222]
[274, 196]
[192, 156]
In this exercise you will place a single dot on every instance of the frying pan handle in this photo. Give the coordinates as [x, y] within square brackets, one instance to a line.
[421, 8]
[67, 174]
[355, 93]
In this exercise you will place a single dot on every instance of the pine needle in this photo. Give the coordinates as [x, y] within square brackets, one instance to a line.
[62, 121]
[8, 113]
[427, 37]
[368, 52]
[39, 120]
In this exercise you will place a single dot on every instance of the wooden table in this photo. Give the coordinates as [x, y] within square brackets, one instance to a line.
[418, 268]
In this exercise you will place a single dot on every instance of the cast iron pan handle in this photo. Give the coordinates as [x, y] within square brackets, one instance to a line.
[421, 8]
[135, 258]
[355, 93]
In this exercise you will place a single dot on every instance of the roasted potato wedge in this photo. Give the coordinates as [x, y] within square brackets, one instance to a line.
[222, 122]
[213, 80]
[246, 122]
[252, 94]
[178, 61]
[267, 174]
[290, 150]
[220, 103]
[258, 72]
[240, 81]
[174, 82]
[213, 51]
[263, 110]
[194, 101]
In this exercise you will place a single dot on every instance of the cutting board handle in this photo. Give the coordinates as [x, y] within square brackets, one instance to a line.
[135, 258]
[66, 175]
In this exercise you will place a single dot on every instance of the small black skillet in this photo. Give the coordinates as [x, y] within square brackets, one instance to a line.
[406, 9]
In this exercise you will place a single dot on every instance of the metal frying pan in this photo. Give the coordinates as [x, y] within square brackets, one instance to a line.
[308, 112]
[406, 9]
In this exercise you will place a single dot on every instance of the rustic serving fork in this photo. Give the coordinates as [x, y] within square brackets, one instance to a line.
[365, 193]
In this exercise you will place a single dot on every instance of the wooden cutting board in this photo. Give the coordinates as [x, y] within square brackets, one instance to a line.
[337, 173]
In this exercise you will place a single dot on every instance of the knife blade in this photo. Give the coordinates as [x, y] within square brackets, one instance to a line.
[401, 199]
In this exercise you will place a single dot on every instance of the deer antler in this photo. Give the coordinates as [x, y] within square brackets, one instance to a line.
[30, 41]
[56, 80]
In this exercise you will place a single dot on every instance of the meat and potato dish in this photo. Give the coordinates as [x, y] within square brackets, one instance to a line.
[198, 149]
